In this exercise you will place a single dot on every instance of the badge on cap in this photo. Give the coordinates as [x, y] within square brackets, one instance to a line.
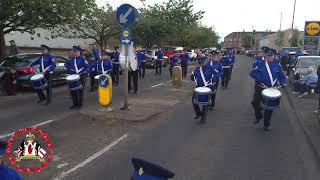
[141, 171]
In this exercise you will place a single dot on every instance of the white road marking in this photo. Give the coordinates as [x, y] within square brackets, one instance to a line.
[36, 125]
[62, 165]
[157, 85]
[91, 158]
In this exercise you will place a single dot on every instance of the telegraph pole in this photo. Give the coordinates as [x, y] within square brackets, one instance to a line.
[279, 33]
[294, 12]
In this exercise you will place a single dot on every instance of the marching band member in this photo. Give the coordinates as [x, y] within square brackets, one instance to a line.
[93, 63]
[217, 66]
[77, 64]
[259, 58]
[159, 60]
[266, 74]
[105, 65]
[173, 61]
[46, 66]
[202, 76]
[141, 56]
[96, 51]
[185, 58]
[116, 66]
[226, 67]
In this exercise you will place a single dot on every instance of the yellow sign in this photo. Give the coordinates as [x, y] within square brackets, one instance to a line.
[125, 33]
[312, 28]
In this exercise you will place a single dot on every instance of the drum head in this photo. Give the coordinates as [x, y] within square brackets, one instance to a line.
[271, 93]
[36, 77]
[202, 90]
[73, 77]
[97, 77]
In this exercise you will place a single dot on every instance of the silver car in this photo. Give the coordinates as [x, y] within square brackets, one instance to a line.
[301, 65]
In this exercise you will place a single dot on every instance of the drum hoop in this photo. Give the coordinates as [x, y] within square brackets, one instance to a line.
[269, 97]
[38, 76]
[77, 77]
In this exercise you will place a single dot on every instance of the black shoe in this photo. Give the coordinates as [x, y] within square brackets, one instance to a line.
[211, 108]
[72, 107]
[48, 102]
[40, 101]
[197, 117]
[135, 92]
[266, 128]
[256, 121]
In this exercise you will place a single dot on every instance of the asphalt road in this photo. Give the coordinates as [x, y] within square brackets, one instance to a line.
[227, 147]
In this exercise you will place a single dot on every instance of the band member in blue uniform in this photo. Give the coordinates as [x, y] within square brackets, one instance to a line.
[116, 66]
[46, 64]
[144, 170]
[226, 67]
[259, 58]
[77, 64]
[217, 66]
[232, 56]
[268, 73]
[6, 173]
[105, 65]
[93, 63]
[141, 56]
[159, 55]
[96, 52]
[202, 81]
[185, 58]
[173, 61]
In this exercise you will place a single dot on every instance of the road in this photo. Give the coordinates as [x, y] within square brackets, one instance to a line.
[227, 147]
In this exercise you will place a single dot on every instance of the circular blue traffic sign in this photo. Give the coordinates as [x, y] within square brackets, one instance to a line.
[103, 80]
[126, 15]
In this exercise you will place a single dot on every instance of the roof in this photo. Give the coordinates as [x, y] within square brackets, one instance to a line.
[24, 39]
[242, 34]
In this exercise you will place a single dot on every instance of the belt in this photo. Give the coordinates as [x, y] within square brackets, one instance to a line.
[116, 62]
[226, 66]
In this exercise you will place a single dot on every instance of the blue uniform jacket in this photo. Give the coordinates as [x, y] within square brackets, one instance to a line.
[81, 63]
[258, 59]
[7, 173]
[48, 62]
[174, 60]
[232, 58]
[141, 57]
[159, 55]
[96, 53]
[107, 66]
[226, 62]
[116, 58]
[185, 58]
[217, 66]
[93, 65]
[260, 74]
[208, 72]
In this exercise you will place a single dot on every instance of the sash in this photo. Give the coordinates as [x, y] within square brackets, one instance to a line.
[42, 65]
[202, 76]
[270, 75]
[102, 68]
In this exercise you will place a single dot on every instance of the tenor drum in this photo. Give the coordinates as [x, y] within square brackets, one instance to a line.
[74, 82]
[202, 96]
[38, 81]
[271, 98]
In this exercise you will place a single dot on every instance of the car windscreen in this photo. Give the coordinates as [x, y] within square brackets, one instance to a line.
[307, 62]
[19, 61]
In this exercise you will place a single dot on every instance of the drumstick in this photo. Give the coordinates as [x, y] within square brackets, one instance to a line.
[195, 80]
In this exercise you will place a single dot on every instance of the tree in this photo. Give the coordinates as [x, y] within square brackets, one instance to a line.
[247, 40]
[201, 37]
[296, 40]
[100, 25]
[25, 15]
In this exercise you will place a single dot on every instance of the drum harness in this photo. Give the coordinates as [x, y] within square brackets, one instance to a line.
[42, 66]
[206, 84]
[273, 82]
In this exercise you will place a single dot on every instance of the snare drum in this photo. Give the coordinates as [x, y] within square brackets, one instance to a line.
[97, 77]
[38, 81]
[202, 96]
[271, 98]
[74, 82]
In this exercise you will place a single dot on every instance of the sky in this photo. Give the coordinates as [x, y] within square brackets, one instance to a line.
[228, 16]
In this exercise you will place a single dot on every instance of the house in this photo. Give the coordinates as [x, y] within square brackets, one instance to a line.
[28, 43]
[235, 39]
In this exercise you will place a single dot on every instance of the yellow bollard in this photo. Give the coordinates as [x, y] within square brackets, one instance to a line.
[104, 89]
[177, 76]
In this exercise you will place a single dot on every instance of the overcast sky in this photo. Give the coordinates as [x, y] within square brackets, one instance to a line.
[237, 15]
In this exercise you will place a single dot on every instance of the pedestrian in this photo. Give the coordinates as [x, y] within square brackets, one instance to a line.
[6, 173]
[93, 64]
[226, 67]
[116, 66]
[267, 74]
[14, 50]
[47, 64]
[300, 52]
[133, 75]
[144, 170]
[141, 56]
[173, 61]
[184, 58]
[159, 59]
[309, 82]
[203, 76]
[10, 81]
[217, 66]
[77, 64]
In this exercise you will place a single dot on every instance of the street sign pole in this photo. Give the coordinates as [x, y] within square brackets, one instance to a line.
[125, 105]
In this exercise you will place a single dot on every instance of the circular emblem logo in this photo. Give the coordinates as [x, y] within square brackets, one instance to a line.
[29, 150]
[125, 33]
[312, 29]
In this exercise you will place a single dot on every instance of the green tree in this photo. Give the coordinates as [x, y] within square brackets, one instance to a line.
[296, 40]
[202, 37]
[25, 15]
[246, 40]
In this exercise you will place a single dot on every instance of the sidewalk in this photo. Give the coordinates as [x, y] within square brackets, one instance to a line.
[308, 120]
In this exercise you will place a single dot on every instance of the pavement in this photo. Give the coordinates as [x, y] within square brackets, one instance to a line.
[92, 144]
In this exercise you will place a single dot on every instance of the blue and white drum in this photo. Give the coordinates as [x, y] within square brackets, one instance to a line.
[74, 82]
[271, 98]
[202, 96]
[38, 81]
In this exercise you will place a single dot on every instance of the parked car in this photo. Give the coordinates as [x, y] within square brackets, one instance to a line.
[151, 57]
[21, 63]
[301, 65]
